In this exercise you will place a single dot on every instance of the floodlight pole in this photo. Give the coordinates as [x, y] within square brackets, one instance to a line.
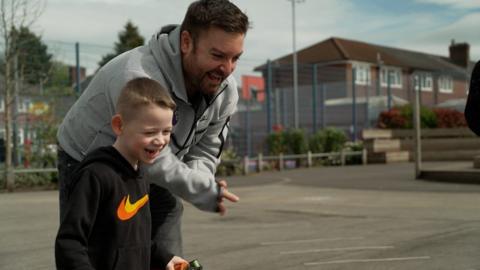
[295, 75]
[417, 127]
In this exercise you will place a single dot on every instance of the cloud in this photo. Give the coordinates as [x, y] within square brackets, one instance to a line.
[415, 25]
[271, 35]
[460, 4]
[94, 2]
[100, 23]
[437, 40]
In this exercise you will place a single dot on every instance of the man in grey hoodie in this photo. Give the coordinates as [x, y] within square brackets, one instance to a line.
[194, 61]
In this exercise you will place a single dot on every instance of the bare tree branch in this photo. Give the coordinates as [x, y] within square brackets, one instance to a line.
[14, 14]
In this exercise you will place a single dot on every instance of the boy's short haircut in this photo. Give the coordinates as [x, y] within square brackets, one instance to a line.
[140, 92]
[203, 14]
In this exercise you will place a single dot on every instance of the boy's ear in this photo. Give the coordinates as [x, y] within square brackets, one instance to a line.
[117, 124]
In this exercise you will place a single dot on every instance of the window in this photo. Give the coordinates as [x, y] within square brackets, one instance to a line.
[426, 81]
[362, 74]
[1, 105]
[395, 77]
[22, 105]
[445, 84]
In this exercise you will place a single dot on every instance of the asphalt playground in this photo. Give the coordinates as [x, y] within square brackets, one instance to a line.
[354, 217]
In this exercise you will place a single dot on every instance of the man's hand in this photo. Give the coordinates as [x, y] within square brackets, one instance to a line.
[225, 194]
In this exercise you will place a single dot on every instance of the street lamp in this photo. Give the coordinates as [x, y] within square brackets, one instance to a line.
[295, 78]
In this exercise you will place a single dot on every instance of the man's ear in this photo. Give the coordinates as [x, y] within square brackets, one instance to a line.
[186, 41]
[117, 124]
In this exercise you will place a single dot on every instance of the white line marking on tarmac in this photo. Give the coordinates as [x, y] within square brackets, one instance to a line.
[335, 249]
[368, 260]
[309, 241]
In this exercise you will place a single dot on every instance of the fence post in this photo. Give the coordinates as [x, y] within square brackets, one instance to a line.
[322, 105]
[268, 99]
[389, 90]
[260, 162]
[314, 99]
[77, 68]
[364, 156]
[354, 106]
[309, 159]
[342, 157]
[246, 163]
[280, 162]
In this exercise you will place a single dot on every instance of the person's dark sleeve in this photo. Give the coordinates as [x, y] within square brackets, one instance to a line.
[472, 108]
[160, 257]
[72, 238]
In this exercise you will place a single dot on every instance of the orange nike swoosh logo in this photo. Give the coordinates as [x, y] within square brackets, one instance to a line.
[126, 210]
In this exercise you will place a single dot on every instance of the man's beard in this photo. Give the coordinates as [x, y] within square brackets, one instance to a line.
[205, 85]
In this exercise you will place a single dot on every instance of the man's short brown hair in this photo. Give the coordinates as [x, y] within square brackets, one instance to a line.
[203, 14]
[141, 92]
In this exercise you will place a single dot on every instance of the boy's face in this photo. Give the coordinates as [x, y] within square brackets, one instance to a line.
[212, 58]
[143, 137]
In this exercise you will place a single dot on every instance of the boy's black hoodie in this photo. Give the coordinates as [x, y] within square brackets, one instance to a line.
[107, 224]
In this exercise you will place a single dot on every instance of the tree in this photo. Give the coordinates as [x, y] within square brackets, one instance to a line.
[129, 38]
[34, 61]
[58, 83]
[14, 14]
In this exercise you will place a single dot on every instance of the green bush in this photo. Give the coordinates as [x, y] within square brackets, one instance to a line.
[296, 141]
[317, 142]
[402, 117]
[276, 143]
[428, 119]
[328, 140]
[230, 164]
[354, 147]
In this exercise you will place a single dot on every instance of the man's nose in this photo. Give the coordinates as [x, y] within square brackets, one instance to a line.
[228, 66]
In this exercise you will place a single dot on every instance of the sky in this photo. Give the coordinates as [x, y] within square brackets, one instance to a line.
[420, 25]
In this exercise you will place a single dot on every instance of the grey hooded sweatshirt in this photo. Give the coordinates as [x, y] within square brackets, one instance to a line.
[188, 165]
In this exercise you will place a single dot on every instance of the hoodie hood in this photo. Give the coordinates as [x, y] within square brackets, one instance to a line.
[110, 156]
[165, 47]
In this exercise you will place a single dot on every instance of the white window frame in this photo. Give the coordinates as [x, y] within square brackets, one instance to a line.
[20, 138]
[396, 78]
[426, 82]
[22, 105]
[362, 73]
[445, 84]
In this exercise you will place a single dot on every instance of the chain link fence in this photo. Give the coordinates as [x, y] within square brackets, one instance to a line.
[348, 96]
